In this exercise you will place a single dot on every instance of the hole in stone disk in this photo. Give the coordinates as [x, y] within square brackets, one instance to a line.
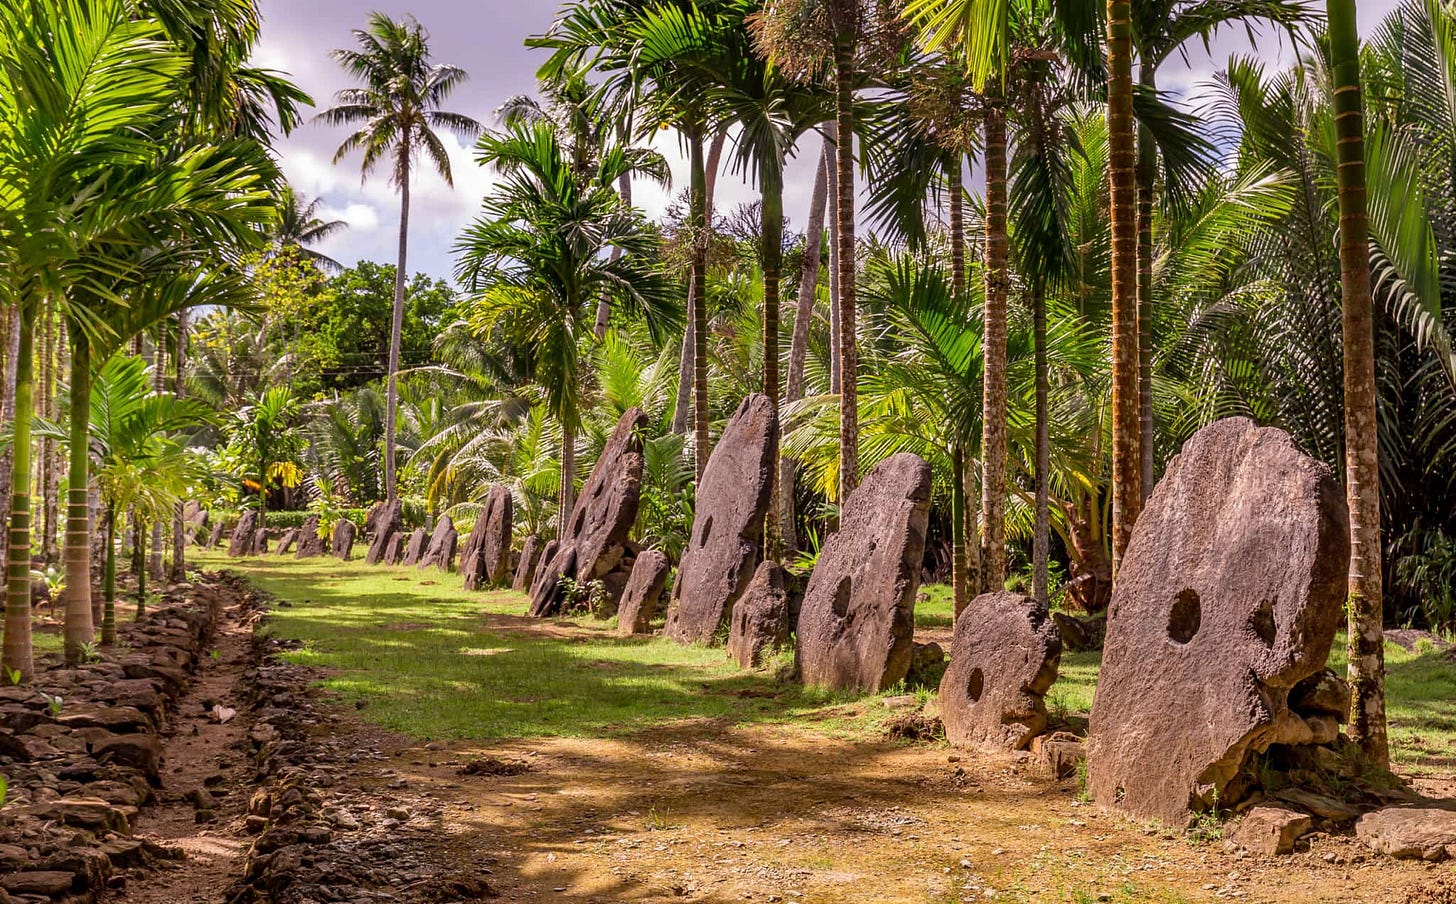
[977, 685]
[707, 529]
[1186, 616]
[1262, 623]
[841, 598]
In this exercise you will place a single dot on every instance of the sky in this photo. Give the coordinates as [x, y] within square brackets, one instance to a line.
[486, 37]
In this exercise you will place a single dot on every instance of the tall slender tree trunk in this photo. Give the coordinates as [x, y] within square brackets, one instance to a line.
[391, 401]
[848, 366]
[604, 305]
[1147, 176]
[956, 176]
[701, 217]
[959, 562]
[159, 384]
[799, 344]
[7, 412]
[108, 580]
[1362, 463]
[567, 498]
[1041, 538]
[17, 652]
[772, 229]
[140, 566]
[49, 476]
[179, 389]
[959, 578]
[993, 408]
[831, 166]
[1127, 494]
[80, 629]
[687, 363]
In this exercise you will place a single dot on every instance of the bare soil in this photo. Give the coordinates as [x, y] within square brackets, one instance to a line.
[709, 811]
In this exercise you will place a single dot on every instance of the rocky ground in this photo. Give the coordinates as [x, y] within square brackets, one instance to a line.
[194, 766]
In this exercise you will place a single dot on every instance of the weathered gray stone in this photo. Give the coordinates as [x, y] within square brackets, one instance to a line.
[394, 548]
[486, 559]
[285, 542]
[732, 499]
[760, 618]
[1003, 660]
[1410, 832]
[310, 544]
[343, 543]
[414, 550]
[382, 523]
[1229, 596]
[245, 534]
[601, 522]
[643, 595]
[260, 541]
[1270, 830]
[194, 519]
[441, 551]
[857, 620]
[215, 537]
[531, 555]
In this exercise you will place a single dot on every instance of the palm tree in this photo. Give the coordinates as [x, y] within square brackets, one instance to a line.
[835, 40]
[265, 434]
[1362, 458]
[299, 226]
[540, 257]
[397, 110]
[139, 466]
[1162, 29]
[132, 81]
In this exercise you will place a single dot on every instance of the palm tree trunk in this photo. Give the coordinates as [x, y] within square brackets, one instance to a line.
[1041, 538]
[80, 629]
[140, 566]
[702, 220]
[7, 412]
[49, 476]
[179, 527]
[848, 365]
[1146, 178]
[993, 407]
[16, 658]
[687, 363]
[956, 175]
[799, 345]
[1362, 465]
[567, 499]
[831, 167]
[108, 586]
[772, 228]
[159, 383]
[959, 579]
[604, 305]
[391, 402]
[1127, 493]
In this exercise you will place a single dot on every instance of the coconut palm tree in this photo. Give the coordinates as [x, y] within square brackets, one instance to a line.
[397, 110]
[836, 41]
[1362, 457]
[299, 226]
[133, 83]
[539, 258]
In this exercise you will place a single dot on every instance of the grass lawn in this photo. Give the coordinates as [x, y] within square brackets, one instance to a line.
[435, 661]
[430, 659]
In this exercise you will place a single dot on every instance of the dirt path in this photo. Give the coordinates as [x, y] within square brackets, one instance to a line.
[206, 759]
[709, 811]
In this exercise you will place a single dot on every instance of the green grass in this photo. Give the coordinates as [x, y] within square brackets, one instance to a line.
[935, 608]
[429, 661]
[435, 661]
